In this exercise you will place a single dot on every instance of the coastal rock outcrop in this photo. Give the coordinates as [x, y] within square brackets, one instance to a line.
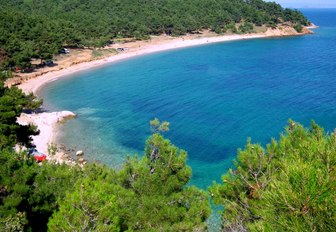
[79, 153]
[46, 122]
[286, 31]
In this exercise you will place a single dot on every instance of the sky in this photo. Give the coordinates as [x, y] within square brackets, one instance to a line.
[306, 3]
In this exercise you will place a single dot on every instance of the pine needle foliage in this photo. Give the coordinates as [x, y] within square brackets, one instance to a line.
[147, 194]
[288, 186]
[12, 103]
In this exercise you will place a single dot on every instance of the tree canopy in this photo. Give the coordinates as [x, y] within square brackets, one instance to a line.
[12, 102]
[38, 29]
[289, 185]
[147, 194]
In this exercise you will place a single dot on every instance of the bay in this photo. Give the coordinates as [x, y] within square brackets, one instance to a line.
[215, 97]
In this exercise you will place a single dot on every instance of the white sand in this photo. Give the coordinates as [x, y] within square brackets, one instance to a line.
[47, 122]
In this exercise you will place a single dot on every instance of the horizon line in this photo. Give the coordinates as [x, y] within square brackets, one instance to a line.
[309, 7]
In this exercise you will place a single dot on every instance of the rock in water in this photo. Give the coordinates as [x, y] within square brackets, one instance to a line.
[79, 153]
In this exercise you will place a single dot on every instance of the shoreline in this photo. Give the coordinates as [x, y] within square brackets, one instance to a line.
[34, 84]
[48, 124]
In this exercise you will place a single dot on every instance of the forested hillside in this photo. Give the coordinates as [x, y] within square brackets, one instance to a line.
[38, 29]
[289, 185]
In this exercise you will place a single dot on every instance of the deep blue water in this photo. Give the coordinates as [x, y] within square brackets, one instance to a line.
[214, 96]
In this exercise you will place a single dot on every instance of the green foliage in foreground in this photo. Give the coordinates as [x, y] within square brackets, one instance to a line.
[12, 102]
[289, 186]
[29, 193]
[147, 194]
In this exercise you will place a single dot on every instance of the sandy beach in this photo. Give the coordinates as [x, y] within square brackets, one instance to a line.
[32, 85]
[47, 122]
[138, 48]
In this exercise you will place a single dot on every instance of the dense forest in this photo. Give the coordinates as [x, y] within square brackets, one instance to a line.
[39, 29]
[289, 185]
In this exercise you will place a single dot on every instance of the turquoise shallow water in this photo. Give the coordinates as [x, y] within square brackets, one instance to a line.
[214, 96]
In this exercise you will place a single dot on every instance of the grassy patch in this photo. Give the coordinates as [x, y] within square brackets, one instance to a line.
[103, 52]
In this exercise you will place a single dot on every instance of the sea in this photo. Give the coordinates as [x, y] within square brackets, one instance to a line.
[215, 97]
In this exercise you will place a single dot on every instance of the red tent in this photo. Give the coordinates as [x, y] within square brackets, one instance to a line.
[39, 156]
